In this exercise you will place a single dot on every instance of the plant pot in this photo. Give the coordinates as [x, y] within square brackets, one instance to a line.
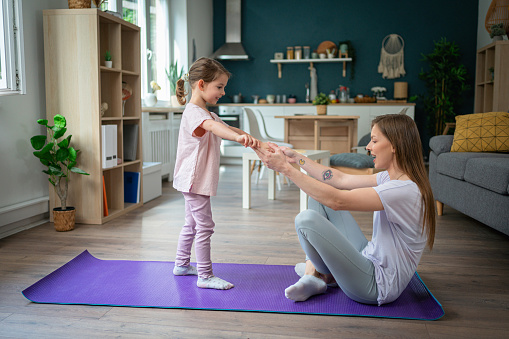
[498, 38]
[150, 99]
[64, 219]
[321, 109]
[108, 64]
[174, 101]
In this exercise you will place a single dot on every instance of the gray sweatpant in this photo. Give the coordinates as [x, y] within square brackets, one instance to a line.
[333, 241]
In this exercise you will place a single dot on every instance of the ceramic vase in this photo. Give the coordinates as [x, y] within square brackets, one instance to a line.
[108, 64]
[150, 99]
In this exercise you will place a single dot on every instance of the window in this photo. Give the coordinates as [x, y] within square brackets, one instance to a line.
[152, 17]
[12, 75]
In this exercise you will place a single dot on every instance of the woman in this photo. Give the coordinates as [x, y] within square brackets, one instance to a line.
[371, 272]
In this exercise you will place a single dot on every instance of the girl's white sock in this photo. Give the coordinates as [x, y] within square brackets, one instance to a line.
[185, 270]
[306, 287]
[214, 282]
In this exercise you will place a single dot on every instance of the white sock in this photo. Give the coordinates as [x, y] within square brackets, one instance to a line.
[185, 270]
[300, 269]
[306, 287]
[214, 282]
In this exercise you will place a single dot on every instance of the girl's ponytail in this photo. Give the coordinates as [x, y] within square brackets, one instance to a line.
[180, 91]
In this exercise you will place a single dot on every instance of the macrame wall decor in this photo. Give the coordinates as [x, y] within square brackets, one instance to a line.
[392, 63]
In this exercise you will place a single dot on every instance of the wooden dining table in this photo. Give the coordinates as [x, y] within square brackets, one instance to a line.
[336, 133]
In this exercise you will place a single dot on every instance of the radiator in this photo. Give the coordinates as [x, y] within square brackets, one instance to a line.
[160, 141]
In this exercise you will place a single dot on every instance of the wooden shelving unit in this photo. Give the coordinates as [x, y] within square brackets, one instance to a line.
[77, 82]
[491, 91]
[279, 63]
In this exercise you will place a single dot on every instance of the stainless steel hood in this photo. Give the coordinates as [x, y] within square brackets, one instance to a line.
[232, 49]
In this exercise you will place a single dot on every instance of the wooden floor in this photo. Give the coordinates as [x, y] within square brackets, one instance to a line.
[468, 272]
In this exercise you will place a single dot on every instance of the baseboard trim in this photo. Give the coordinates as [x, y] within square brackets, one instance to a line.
[27, 214]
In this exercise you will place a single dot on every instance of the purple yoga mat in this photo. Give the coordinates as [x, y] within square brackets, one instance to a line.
[91, 281]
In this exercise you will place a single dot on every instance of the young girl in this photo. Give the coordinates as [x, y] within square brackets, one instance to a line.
[197, 166]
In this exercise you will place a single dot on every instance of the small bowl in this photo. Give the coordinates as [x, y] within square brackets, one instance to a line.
[292, 100]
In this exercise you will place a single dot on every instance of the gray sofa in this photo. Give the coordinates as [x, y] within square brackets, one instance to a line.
[476, 184]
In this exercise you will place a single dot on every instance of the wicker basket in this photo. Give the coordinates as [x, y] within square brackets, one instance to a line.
[74, 4]
[64, 220]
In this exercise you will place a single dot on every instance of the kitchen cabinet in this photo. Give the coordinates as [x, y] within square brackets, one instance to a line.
[75, 42]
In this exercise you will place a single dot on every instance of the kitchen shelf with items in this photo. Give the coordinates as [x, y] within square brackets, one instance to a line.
[105, 103]
[327, 51]
[492, 78]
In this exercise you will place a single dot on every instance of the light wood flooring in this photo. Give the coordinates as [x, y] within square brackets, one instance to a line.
[467, 271]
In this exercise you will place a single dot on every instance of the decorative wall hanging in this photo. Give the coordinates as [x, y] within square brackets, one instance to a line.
[392, 63]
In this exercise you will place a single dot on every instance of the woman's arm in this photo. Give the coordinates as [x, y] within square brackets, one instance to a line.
[360, 199]
[329, 175]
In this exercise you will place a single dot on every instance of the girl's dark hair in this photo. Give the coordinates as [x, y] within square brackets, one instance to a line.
[203, 68]
[403, 135]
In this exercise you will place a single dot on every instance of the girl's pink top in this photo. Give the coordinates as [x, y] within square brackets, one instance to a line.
[197, 164]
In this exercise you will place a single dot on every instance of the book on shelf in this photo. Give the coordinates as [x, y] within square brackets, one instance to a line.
[130, 141]
[109, 145]
[132, 187]
[105, 200]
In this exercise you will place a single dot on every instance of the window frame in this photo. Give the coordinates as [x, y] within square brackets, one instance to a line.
[12, 50]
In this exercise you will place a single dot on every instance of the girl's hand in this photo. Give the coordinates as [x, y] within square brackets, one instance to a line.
[247, 140]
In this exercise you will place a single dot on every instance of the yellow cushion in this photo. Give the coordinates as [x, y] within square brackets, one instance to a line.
[481, 132]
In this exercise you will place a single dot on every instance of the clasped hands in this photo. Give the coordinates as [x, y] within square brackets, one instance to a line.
[275, 157]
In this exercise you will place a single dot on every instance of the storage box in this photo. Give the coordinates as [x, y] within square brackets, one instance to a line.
[152, 181]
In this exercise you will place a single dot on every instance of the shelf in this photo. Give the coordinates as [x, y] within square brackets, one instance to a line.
[310, 61]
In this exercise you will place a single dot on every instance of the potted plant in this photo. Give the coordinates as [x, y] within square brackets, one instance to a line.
[107, 59]
[151, 98]
[56, 153]
[492, 73]
[497, 31]
[446, 80]
[321, 101]
[174, 74]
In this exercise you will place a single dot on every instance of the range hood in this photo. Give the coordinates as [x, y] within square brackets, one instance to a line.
[232, 49]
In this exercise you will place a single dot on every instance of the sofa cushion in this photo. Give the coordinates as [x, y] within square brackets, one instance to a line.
[352, 160]
[489, 173]
[482, 132]
[441, 143]
[454, 164]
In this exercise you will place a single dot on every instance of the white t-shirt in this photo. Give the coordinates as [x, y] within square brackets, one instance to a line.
[197, 163]
[398, 241]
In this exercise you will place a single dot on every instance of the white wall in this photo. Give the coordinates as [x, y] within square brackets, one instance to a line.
[199, 28]
[22, 184]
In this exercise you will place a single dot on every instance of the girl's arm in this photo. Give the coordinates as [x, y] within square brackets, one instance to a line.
[229, 133]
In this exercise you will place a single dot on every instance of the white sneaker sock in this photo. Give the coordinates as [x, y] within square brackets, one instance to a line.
[214, 282]
[185, 270]
[306, 287]
[300, 269]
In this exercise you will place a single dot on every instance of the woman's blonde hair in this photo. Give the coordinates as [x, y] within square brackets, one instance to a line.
[203, 68]
[402, 133]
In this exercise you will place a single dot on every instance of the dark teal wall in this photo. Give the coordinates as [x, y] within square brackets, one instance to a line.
[269, 26]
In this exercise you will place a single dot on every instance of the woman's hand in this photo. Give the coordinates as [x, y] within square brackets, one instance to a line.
[272, 156]
[291, 155]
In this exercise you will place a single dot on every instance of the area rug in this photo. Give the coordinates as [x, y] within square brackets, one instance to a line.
[87, 280]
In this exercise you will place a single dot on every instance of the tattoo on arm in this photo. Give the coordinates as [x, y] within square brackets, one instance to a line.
[301, 162]
[327, 175]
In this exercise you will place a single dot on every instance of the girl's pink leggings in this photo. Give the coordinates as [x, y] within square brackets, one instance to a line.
[200, 226]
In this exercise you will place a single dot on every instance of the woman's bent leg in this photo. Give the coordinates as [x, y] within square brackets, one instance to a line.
[331, 251]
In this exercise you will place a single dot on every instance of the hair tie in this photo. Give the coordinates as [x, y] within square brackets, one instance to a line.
[185, 77]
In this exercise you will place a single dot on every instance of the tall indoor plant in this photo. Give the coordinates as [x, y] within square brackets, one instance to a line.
[446, 80]
[60, 159]
[174, 74]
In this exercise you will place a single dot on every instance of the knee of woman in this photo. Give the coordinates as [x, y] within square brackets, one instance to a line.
[305, 218]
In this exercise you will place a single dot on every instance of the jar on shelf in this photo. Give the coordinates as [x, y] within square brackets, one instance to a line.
[307, 51]
[298, 52]
[289, 53]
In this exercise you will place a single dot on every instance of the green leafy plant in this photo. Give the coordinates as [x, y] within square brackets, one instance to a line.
[497, 30]
[58, 156]
[321, 99]
[107, 56]
[446, 80]
[174, 74]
